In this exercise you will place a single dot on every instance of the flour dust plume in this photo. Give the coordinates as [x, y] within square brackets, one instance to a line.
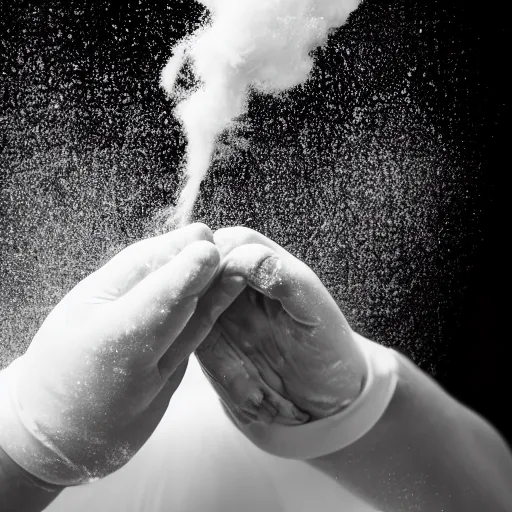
[260, 45]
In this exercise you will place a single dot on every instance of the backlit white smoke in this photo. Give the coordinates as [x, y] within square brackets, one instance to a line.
[248, 44]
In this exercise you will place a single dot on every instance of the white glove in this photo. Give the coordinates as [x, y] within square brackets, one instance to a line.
[99, 374]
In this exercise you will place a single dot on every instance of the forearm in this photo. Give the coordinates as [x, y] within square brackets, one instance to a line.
[20, 491]
[427, 453]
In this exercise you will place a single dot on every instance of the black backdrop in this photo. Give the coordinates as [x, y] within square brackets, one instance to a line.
[383, 172]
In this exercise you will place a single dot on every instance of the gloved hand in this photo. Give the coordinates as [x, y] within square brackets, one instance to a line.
[283, 351]
[99, 374]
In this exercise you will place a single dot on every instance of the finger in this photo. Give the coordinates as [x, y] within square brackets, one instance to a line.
[159, 402]
[158, 308]
[172, 383]
[282, 277]
[280, 286]
[219, 296]
[140, 259]
[243, 388]
[227, 239]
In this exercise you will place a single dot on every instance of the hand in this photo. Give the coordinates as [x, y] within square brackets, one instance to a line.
[283, 350]
[100, 372]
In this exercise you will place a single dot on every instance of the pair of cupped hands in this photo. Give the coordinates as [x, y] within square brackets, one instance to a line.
[100, 372]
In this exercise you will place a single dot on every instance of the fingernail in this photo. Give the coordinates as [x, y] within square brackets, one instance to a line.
[232, 287]
[233, 284]
[267, 273]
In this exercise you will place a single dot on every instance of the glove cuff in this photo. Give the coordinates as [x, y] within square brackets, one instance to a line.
[26, 444]
[333, 433]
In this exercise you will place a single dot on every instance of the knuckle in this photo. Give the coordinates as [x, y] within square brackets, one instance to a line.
[267, 274]
[137, 252]
[206, 254]
[200, 231]
[236, 235]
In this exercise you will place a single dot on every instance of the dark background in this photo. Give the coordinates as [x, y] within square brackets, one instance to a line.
[383, 172]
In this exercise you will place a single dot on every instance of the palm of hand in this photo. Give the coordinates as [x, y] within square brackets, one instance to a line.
[267, 365]
[104, 384]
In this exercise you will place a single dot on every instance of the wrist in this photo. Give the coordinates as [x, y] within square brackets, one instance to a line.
[20, 489]
[353, 375]
[25, 443]
[335, 432]
[19, 477]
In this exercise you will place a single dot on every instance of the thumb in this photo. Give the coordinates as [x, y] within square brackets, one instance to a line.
[140, 259]
[159, 307]
[282, 277]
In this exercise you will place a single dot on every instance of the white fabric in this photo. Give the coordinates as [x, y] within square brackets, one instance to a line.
[197, 461]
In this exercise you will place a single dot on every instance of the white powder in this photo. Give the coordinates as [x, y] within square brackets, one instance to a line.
[253, 44]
